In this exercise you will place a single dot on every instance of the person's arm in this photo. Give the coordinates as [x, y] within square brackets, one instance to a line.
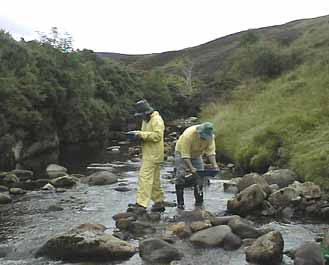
[211, 153]
[212, 159]
[189, 165]
[156, 135]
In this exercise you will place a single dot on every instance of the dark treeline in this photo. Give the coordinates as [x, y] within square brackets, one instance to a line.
[51, 95]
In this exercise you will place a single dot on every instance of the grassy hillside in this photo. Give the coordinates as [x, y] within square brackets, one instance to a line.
[267, 91]
[281, 120]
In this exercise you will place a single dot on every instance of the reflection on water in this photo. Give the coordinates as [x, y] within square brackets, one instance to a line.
[27, 223]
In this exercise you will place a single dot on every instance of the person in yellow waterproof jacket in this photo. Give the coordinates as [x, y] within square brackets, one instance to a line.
[152, 138]
[191, 145]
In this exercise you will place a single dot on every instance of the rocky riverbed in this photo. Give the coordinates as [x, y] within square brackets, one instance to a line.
[33, 218]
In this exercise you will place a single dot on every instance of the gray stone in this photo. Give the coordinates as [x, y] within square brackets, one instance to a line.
[3, 188]
[17, 191]
[307, 190]
[267, 249]
[23, 174]
[4, 198]
[281, 177]
[200, 225]
[157, 251]
[211, 237]
[283, 197]
[222, 220]
[253, 178]
[64, 182]
[309, 254]
[55, 171]
[247, 200]
[86, 245]
[122, 189]
[48, 186]
[232, 241]
[243, 228]
[102, 178]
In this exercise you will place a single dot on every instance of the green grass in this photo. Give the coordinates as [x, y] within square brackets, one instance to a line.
[281, 122]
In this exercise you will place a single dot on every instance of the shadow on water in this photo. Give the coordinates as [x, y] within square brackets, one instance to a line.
[27, 223]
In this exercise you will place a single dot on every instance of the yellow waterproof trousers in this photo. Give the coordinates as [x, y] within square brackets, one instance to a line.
[149, 186]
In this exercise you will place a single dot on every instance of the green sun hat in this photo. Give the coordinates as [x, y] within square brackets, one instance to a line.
[205, 130]
[143, 108]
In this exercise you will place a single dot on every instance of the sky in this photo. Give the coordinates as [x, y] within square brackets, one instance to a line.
[149, 26]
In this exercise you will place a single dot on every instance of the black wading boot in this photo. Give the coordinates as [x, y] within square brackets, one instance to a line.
[180, 196]
[198, 195]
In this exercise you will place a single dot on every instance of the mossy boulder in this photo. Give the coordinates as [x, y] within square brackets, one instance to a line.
[86, 243]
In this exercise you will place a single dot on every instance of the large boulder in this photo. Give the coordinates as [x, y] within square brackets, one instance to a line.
[64, 182]
[247, 200]
[55, 171]
[267, 249]
[4, 198]
[309, 254]
[102, 178]
[86, 243]
[253, 178]
[281, 177]
[232, 241]
[284, 197]
[157, 251]
[211, 237]
[307, 190]
[10, 179]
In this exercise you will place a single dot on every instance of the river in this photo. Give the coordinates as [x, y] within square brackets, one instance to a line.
[27, 223]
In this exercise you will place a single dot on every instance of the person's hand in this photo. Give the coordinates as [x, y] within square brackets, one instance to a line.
[192, 170]
[215, 167]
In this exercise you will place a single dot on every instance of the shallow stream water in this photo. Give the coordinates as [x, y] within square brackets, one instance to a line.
[27, 223]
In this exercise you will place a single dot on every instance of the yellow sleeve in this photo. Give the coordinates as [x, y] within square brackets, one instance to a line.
[211, 148]
[186, 147]
[157, 131]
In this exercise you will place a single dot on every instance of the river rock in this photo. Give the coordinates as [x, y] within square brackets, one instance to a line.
[10, 179]
[232, 241]
[86, 245]
[309, 254]
[267, 249]
[211, 237]
[92, 227]
[253, 178]
[307, 190]
[64, 182]
[180, 229]
[48, 186]
[102, 178]
[3, 188]
[284, 197]
[122, 189]
[139, 228]
[157, 251]
[4, 198]
[17, 191]
[247, 200]
[281, 177]
[23, 174]
[123, 215]
[243, 228]
[55, 171]
[200, 225]
[222, 220]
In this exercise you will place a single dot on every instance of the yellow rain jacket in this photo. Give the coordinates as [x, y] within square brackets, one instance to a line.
[190, 145]
[152, 134]
[149, 185]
